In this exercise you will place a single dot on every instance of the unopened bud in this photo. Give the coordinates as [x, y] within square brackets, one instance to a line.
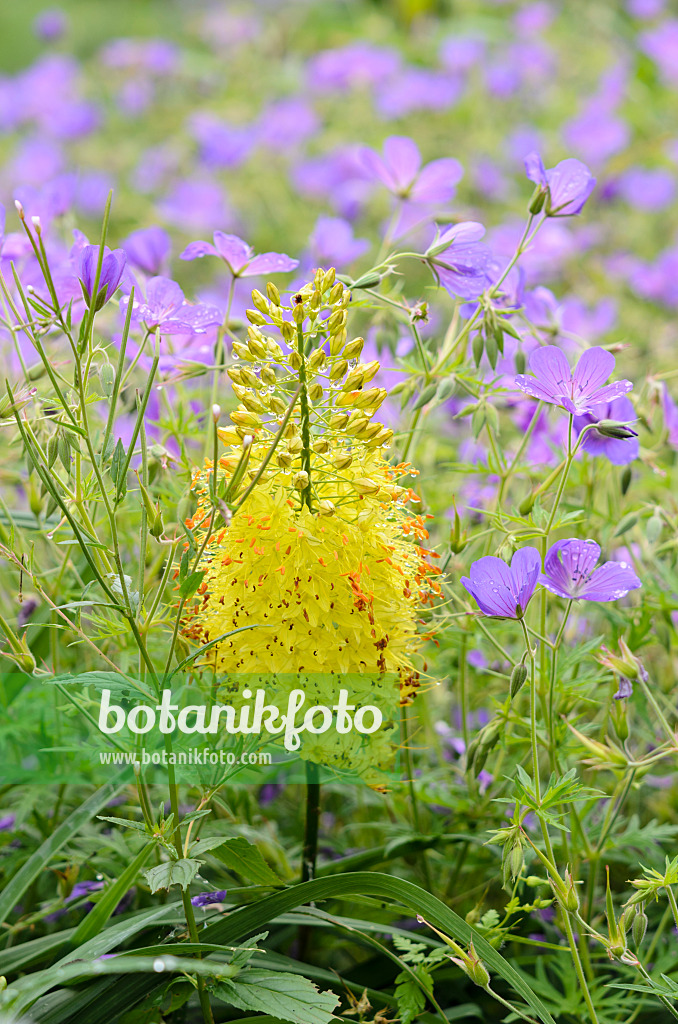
[339, 368]
[639, 926]
[255, 317]
[260, 301]
[300, 482]
[294, 359]
[20, 209]
[338, 420]
[342, 461]
[326, 507]
[216, 412]
[317, 359]
[615, 429]
[273, 293]
[366, 486]
[353, 348]
[315, 392]
[518, 677]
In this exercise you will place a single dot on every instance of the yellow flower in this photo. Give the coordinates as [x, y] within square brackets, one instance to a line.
[322, 550]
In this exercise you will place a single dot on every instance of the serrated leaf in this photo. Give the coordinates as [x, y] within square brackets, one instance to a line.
[172, 872]
[245, 859]
[409, 996]
[286, 996]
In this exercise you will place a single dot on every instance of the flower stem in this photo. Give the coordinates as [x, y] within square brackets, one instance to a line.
[305, 418]
[310, 849]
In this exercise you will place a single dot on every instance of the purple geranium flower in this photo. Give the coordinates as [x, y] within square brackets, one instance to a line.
[204, 899]
[620, 451]
[166, 307]
[332, 242]
[148, 249]
[502, 590]
[112, 270]
[571, 573]
[566, 186]
[239, 256]
[578, 391]
[461, 260]
[401, 172]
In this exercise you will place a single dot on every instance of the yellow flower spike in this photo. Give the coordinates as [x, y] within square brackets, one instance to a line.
[322, 548]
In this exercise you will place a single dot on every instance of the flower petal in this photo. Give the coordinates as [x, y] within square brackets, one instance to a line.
[611, 581]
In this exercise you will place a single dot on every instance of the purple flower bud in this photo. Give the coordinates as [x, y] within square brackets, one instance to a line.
[112, 269]
[205, 899]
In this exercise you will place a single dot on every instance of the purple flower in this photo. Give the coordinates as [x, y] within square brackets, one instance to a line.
[239, 256]
[670, 417]
[578, 391]
[567, 186]
[417, 89]
[570, 572]
[502, 590]
[148, 249]
[461, 260]
[50, 24]
[620, 451]
[166, 307]
[348, 67]
[647, 189]
[205, 899]
[332, 242]
[112, 269]
[661, 44]
[401, 172]
[624, 688]
[7, 822]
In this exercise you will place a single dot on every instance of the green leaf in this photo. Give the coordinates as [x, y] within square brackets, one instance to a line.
[244, 859]
[288, 996]
[191, 584]
[409, 996]
[372, 883]
[173, 872]
[113, 681]
[38, 861]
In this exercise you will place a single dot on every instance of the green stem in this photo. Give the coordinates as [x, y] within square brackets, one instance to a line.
[310, 848]
[305, 422]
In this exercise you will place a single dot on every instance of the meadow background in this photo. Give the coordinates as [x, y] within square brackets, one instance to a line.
[523, 864]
